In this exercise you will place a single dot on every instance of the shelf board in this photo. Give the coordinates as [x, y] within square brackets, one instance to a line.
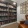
[12, 5]
[13, 15]
[4, 2]
[12, 8]
[14, 18]
[12, 12]
[3, 16]
[3, 7]
[8, 3]
[3, 11]
[3, 20]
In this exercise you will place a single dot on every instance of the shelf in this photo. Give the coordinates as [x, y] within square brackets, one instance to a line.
[7, 12]
[12, 4]
[13, 16]
[4, 2]
[3, 20]
[12, 12]
[13, 19]
[7, 3]
[4, 11]
[3, 16]
[3, 7]
[12, 8]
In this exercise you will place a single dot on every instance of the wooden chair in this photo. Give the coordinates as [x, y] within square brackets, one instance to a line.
[22, 25]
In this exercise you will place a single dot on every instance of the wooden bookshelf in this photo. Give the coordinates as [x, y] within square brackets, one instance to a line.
[7, 13]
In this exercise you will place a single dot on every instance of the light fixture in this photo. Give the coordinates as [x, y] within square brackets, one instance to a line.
[14, 3]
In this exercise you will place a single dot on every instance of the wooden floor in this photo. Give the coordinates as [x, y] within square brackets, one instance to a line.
[15, 25]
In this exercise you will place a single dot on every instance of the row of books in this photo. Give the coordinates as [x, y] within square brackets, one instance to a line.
[7, 18]
[4, 22]
[3, 9]
[7, 21]
[1, 4]
[7, 10]
[12, 10]
[5, 14]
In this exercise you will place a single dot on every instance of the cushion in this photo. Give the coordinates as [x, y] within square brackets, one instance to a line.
[23, 26]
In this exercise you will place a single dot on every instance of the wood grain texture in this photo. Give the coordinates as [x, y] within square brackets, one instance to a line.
[23, 26]
[15, 25]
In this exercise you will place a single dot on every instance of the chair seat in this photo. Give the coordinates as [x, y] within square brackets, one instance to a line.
[23, 26]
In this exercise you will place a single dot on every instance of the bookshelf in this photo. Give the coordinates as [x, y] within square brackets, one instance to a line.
[8, 13]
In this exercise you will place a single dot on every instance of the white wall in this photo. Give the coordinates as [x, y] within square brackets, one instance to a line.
[20, 16]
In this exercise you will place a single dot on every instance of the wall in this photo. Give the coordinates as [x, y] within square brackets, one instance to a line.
[20, 16]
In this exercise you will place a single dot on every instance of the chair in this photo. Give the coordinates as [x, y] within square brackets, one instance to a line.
[22, 25]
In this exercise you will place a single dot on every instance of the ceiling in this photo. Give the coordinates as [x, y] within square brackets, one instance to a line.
[19, 1]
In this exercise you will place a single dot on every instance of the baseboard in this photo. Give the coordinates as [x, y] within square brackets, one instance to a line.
[8, 24]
